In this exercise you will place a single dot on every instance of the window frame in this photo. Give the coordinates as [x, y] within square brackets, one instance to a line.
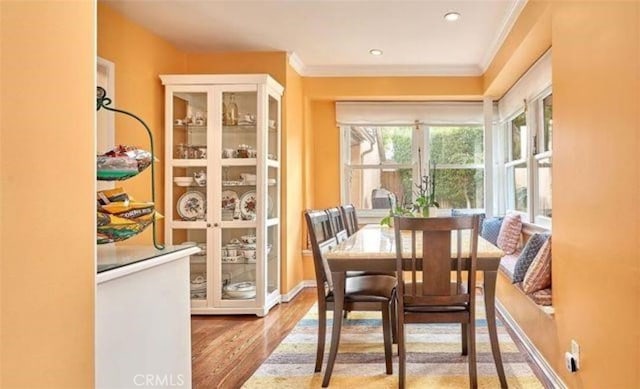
[420, 139]
[534, 116]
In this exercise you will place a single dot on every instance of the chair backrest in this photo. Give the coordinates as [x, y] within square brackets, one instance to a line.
[337, 224]
[424, 245]
[322, 241]
[350, 218]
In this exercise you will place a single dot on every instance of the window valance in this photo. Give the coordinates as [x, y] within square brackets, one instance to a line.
[406, 113]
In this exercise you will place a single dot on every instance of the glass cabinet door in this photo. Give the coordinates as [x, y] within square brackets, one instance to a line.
[238, 207]
[187, 148]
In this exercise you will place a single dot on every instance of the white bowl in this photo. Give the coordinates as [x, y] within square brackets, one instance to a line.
[183, 181]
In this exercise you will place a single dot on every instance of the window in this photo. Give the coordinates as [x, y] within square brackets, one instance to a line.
[458, 154]
[542, 156]
[381, 165]
[516, 164]
[528, 169]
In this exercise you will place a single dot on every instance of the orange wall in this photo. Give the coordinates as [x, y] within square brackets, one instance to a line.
[528, 40]
[596, 70]
[139, 57]
[47, 210]
[596, 87]
[292, 182]
[393, 88]
[273, 63]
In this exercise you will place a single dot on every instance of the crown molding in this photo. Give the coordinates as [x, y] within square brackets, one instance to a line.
[390, 70]
[296, 63]
[512, 14]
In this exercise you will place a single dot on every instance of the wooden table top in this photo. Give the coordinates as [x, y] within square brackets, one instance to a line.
[374, 242]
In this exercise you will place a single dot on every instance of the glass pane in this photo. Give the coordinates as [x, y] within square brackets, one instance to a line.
[190, 193]
[190, 125]
[547, 106]
[238, 193]
[239, 120]
[518, 186]
[272, 255]
[381, 145]
[197, 262]
[544, 187]
[518, 137]
[238, 267]
[460, 188]
[272, 193]
[274, 129]
[456, 145]
[379, 188]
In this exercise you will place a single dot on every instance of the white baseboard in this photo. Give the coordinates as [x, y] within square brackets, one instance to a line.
[537, 357]
[297, 289]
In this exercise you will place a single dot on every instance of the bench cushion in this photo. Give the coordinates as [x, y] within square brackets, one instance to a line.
[509, 237]
[527, 256]
[508, 264]
[538, 276]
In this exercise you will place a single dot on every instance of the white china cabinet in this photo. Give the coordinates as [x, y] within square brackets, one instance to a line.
[222, 181]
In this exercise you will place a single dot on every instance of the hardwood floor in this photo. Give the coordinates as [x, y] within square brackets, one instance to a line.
[226, 350]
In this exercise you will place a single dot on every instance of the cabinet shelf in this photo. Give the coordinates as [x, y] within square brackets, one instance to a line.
[189, 162]
[183, 224]
[239, 161]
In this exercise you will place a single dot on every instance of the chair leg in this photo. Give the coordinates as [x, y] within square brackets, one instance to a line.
[473, 372]
[394, 320]
[346, 313]
[386, 332]
[322, 335]
[464, 332]
[401, 352]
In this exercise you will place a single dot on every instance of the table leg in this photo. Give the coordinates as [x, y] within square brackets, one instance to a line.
[338, 304]
[490, 309]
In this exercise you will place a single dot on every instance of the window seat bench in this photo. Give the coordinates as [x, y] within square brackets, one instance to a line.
[541, 298]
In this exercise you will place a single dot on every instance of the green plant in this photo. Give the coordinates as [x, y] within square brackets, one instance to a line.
[426, 189]
[397, 210]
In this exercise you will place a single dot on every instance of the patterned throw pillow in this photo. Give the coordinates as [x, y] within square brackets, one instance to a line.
[538, 276]
[491, 229]
[509, 236]
[527, 256]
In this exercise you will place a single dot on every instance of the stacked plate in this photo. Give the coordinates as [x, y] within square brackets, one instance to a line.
[199, 287]
[241, 290]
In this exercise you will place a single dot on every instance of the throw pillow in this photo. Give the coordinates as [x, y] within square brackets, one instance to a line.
[509, 236]
[491, 229]
[527, 256]
[538, 276]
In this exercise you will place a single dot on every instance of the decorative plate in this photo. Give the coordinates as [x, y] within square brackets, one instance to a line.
[191, 205]
[248, 203]
[230, 200]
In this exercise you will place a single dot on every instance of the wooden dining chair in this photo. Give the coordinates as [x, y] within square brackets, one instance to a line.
[350, 218]
[338, 227]
[423, 249]
[362, 293]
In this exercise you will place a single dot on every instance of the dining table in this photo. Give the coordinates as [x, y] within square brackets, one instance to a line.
[373, 248]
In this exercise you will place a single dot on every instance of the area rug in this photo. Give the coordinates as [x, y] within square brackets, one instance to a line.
[433, 357]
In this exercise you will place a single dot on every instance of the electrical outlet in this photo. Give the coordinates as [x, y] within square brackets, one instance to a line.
[570, 362]
[575, 351]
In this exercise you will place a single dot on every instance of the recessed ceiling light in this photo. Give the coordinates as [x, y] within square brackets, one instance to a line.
[451, 16]
[375, 52]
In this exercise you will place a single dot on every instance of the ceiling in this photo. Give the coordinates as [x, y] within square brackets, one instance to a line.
[327, 37]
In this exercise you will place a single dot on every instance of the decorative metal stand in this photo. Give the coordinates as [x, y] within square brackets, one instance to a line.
[102, 102]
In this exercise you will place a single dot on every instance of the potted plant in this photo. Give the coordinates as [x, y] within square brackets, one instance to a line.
[425, 197]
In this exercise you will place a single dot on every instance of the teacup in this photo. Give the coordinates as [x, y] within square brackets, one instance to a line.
[232, 252]
[228, 153]
[249, 253]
